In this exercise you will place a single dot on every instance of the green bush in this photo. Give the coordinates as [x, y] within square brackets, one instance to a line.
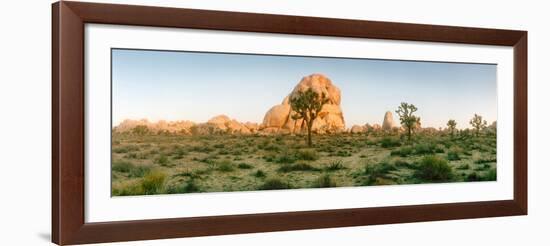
[153, 183]
[274, 184]
[485, 160]
[188, 187]
[225, 166]
[259, 174]
[463, 167]
[324, 181]
[139, 171]
[162, 160]
[424, 149]
[403, 151]
[122, 166]
[435, 169]
[307, 155]
[453, 156]
[376, 171]
[244, 166]
[388, 142]
[285, 157]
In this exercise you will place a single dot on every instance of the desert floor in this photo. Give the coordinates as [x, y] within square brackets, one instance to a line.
[169, 164]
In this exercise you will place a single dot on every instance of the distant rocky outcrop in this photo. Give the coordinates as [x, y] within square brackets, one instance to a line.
[216, 125]
[180, 127]
[330, 120]
[388, 123]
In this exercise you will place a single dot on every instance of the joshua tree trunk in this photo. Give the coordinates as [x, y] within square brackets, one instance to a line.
[409, 133]
[309, 125]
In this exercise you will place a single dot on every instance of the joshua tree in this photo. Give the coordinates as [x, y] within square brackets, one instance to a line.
[307, 105]
[451, 124]
[478, 123]
[408, 120]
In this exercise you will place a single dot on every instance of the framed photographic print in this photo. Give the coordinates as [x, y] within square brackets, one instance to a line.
[176, 122]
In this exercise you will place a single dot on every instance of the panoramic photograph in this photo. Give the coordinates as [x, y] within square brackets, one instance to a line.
[195, 122]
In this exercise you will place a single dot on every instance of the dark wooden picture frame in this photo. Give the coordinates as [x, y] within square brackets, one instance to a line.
[68, 223]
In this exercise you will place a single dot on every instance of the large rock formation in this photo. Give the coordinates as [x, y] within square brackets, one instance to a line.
[388, 123]
[330, 120]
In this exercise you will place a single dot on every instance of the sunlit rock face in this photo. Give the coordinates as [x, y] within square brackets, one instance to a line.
[330, 119]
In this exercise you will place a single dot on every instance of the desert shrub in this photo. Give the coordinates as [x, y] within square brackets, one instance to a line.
[297, 167]
[139, 171]
[403, 151]
[153, 183]
[434, 168]
[490, 175]
[376, 171]
[307, 155]
[225, 166]
[388, 142]
[122, 166]
[162, 160]
[439, 149]
[188, 187]
[485, 160]
[285, 157]
[179, 153]
[463, 167]
[272, 147]
[335, 166]
[453, 156]
[424, 149]
[343, 153]
[274, 184]
[324, 181]
[244, 166]
[259, 174]
[131, 156]
[402, 163]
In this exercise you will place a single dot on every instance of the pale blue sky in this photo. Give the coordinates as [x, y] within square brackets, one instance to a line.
[194, 86]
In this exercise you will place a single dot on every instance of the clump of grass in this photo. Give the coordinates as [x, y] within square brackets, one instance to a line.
[225, 166]
[403, 151]
[335, 166]
[434, 169]
[424, 149]
[285, 157]
[188, 187]
[388, 142]
[122, 166]
[153, 183]
[297, 167]
[464, 166]
[162, 160]
[324, 181]
[244, 166]
[453, 156]
[402, 163]
[259, 174]
[377, 171]
[274, 184]
[307, 155]
[485, 160]
[139, 171]
[343, 153]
